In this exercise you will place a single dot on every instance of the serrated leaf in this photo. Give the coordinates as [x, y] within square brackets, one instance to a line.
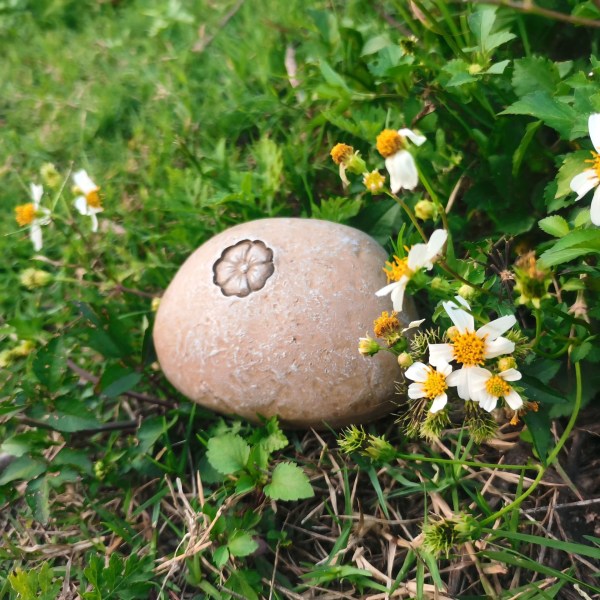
[241, 543]
[498, 68]
[552, 112]
[481, 23]
[220, 556]
[534, 73]
[228, 453]
[50, 364]
[555, 225]
[573, 245]
[574, 164]
[289, 482]
[37, 496]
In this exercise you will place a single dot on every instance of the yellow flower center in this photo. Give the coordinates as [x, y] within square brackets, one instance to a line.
[93, 199]
[389, 142]
[395, 270]
[374, 181]
[341, 152]
[595, 162]
[496, 386]
[435, 384]
[25, 214]
[386, 324]
[469, 349]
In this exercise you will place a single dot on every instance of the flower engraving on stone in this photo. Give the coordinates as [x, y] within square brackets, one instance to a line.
[243, 268]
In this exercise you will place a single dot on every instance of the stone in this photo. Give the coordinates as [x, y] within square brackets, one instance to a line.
[264, 319]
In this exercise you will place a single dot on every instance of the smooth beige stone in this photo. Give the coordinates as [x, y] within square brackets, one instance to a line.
[264, 319]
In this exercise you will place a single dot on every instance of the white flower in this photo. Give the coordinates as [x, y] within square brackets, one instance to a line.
[429, 383]
[34, 215]
[398, 160]
[89, 204]
[488, 388]
[590, 178]
[420, 256]
[470, 348]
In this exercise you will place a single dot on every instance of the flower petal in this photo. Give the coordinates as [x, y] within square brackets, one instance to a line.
[384, 291]
[417, 257]
[415, 138]
[35, 234]
[594, 129]
[444, 368]
[440, 354]
[439, 402]
[37, 191]
[435, 244]
[415, 391]
[595, 208]
[581, 184]
[398, 294]
[514, 400]
[487, 401]
[478, 378]
[460, 380]
[498, 347]
[461, 319]
[412, 325]
[81, 205]
[403, 171]
[84, 183]
[417, 372]
[94, 221]
[496, 327]
[510, 375]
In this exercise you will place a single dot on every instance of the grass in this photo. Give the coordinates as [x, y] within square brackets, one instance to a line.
[112, 485]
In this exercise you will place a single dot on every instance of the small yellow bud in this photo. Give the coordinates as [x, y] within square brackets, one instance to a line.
[506, 362]
[405, 360]
[367, 346]
[6, 359]
[467, 292]
[474, 69]
[23, 349]
[35, 278]
[374, 181]
[439, 283]
[425, 210]
[452, 332]
[50, 175]
[155, 304]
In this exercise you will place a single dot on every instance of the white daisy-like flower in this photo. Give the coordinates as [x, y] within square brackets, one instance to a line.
[88, 204]
[34, 215]
[590, 178]
[420, 256]
[399, 161]
[470, 348]
[429, 383]
[489, 388]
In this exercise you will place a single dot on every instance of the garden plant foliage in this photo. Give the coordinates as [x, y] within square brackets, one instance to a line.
[463, 136]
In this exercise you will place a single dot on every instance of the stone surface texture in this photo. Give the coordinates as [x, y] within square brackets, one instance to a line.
[264, 319]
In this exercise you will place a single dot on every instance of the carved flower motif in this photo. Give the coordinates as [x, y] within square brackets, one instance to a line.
[243, 268]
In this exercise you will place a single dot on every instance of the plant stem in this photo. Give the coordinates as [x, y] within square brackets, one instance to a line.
[411, 215]
[551, 457]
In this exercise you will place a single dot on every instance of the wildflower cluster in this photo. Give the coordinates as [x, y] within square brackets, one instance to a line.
[34, 216]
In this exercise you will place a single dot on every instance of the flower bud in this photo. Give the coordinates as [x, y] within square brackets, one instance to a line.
[452, 332]
[155, 303]
[506, 362]
[468, 292]
[23, 349]
[50, 175]
[405, 360]
[425, 210]
[440, 284]
[35, 278]
[367, 346]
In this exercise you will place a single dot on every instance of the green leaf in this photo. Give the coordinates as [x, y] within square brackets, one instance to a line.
[534, 73]
[25, 468]
[241, 543]
[574, 244]
[228, 453]
[37, 495]
[481, 23]
[71, 423]
[542, 106]
[519, 153]
[220, 556]
[121, 385]
[289, 482]
[574, 164]
[498, 68]
[555, 225]
[50, 364]
[538, 426]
